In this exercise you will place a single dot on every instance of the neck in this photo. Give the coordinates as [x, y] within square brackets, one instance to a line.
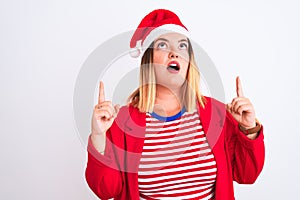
[167, 101]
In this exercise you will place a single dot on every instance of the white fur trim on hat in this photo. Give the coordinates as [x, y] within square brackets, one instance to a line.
[167, 28]
[153, 35]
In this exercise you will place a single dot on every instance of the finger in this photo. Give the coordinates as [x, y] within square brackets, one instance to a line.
[228, 107]
[102, 114]
[239, 89]
[117, 108]
[244, 108]
[106, 103]
[106, 108]
[101, 97]
[236, 99]
[240, 107]
[238, 103]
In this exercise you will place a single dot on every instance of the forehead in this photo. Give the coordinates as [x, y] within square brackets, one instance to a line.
[172, 37]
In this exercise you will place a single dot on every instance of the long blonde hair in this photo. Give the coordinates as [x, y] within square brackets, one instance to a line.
[144, 97]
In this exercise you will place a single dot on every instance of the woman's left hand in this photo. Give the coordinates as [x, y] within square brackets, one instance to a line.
[241, 108]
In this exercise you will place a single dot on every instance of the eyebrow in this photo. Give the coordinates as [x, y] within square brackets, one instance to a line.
[183, 40]
[163, 39]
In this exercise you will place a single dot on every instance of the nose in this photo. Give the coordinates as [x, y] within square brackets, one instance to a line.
[173, 54]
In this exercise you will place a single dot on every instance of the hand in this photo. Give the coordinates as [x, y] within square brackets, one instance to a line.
[241, 108]
[104, 113]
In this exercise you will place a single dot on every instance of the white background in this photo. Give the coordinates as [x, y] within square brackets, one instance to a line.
[43, 45]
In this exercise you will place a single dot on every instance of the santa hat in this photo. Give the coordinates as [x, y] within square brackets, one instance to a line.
[153, 25]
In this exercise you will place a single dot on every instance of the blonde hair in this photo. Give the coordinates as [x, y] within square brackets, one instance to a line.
[144, 97]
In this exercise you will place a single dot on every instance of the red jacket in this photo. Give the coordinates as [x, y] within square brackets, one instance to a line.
[114, 174]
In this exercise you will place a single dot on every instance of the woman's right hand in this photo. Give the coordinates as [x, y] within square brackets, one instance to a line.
[103, 115]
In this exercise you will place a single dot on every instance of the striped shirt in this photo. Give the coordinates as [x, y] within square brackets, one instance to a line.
[176, 162]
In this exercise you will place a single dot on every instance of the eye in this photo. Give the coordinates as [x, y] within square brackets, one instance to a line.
[183, 45]
[162, 45]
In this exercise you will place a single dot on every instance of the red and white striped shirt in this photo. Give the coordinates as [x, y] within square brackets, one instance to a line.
[176, 162]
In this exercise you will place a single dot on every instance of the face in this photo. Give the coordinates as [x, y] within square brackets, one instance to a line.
[171, 60]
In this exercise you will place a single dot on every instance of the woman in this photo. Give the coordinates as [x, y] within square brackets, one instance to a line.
[171, 142]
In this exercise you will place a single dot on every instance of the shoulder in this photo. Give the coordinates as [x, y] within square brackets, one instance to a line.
[212, 104]
[129, 110]
[130, 113]
[215, 110]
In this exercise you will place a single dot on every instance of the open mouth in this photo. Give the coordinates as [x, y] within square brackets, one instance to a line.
[173, 67]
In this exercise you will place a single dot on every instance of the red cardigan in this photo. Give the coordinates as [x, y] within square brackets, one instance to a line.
[114, 174]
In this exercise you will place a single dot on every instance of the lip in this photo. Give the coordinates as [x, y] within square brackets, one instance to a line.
[174, 62]
[173, 70]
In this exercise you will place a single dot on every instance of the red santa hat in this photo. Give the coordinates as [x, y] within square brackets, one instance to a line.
[153, 25]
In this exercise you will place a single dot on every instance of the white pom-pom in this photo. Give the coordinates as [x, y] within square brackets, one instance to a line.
[135, 52]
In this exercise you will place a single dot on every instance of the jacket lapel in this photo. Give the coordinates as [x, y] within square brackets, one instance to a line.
[212, 117]
[134, 134]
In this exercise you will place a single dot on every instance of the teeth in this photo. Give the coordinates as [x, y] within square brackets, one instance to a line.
[174, 67]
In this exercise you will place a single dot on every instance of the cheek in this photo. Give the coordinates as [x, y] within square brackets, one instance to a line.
[158, 57]
[185, 66]
[184, 71]
[185, 56]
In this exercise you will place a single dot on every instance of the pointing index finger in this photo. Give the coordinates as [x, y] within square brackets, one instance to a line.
[239, 89]
[101, 96]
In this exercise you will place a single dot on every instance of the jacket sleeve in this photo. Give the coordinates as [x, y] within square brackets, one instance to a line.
[247, 156]
[102, 172]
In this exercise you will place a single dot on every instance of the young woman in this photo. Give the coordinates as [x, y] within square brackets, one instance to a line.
[171, 142]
